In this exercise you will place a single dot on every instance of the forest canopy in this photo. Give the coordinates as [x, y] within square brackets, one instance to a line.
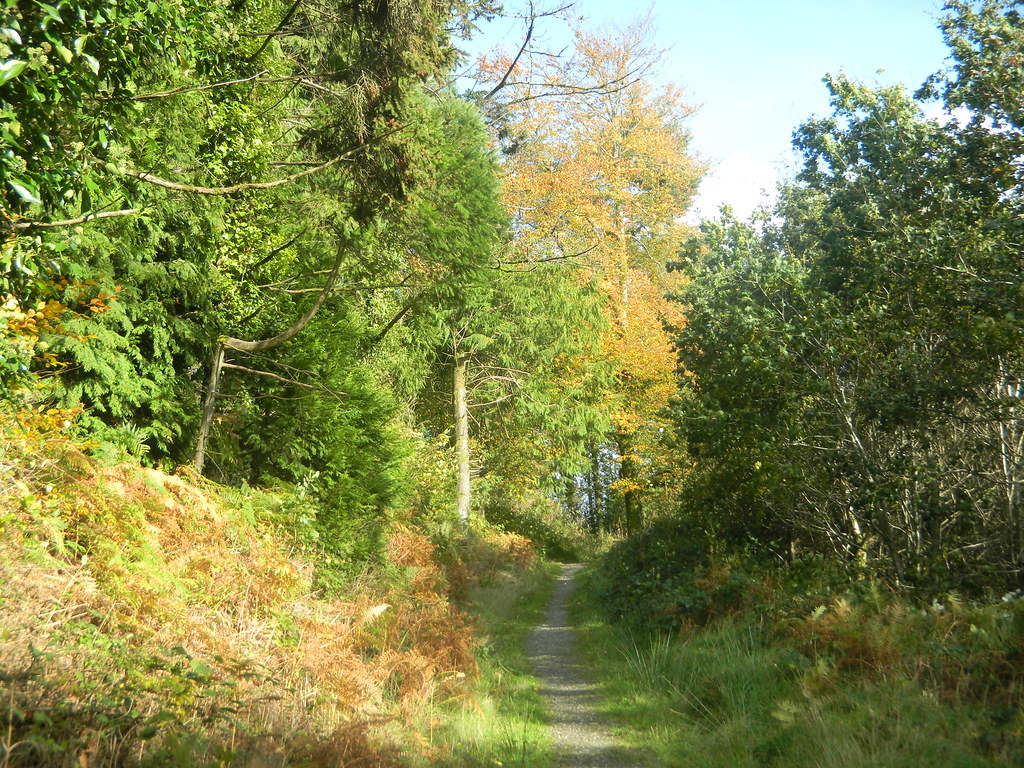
[273, 241]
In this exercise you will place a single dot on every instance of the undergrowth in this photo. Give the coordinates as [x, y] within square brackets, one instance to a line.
[735, 670]
[502, 720]
[149, 619]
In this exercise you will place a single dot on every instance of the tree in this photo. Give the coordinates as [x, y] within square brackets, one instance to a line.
[598, 176]
[491, 341]
[872, 330]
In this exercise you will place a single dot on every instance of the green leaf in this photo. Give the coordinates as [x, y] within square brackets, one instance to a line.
[477, 341]
[11, 69]
[24, 193]
[64, 52]
[94, 65]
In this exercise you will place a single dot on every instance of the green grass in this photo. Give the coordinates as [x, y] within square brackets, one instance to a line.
[739, 692]
[502, 722]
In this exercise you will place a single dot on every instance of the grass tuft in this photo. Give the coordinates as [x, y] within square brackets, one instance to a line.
[791, 681]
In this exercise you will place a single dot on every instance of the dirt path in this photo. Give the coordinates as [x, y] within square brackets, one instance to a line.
[581, 736]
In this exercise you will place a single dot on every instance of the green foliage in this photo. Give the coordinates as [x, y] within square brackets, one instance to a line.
[747, 393]
[816, 678]
[538, 518]
[663, 578]
[58, 57]
[120, 693]
[136, 364]
[331, 433]
[853, 364]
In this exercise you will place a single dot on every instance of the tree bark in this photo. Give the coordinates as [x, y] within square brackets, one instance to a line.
[1011, 438]
[258, 346]
[631, 511]
[241, 345]
[461, 407]
[199, 460]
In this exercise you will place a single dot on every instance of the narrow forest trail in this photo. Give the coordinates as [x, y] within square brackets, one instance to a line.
[581, 736]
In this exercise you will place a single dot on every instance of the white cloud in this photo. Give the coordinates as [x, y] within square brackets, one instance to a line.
[740, 180]
[937, 111]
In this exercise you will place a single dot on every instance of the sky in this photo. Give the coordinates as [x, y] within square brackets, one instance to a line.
[755, 69]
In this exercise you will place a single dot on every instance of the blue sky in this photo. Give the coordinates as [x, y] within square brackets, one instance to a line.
[755, 67]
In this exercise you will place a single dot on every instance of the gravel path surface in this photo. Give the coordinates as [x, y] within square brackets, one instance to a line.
[582, 738]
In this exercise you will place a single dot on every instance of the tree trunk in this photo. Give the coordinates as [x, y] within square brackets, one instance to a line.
[1011, 439]
[241, 345]
[572, 504]
[631, 511]
[461, 407]
[199, 460]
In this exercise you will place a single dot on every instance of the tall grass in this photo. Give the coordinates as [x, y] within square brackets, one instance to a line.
[502, 722]
[839, 685]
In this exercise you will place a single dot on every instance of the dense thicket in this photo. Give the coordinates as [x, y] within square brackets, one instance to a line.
[852, 363]
[227, 208]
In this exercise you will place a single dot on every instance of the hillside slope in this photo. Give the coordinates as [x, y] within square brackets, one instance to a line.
[151, 619]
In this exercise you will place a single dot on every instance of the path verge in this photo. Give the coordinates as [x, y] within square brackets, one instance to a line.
[581, 736]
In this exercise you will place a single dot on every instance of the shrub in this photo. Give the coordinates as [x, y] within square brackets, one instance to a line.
[663, 578]
[537, 518]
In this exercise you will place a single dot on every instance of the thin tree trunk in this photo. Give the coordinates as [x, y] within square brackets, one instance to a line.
[241, 345]
[572, 504]
[1010, 439]
[627, 472]
[199, 460]
[461, 406]
[624, 277]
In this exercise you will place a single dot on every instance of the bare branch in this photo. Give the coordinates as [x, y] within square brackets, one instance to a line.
[72, 222]
[317, 87]
[531, 262]
[501, 399]
[283, 379]
[290, 280]
[277, 250]
[281, 25]
[565, 89]
[194, 89]
[295, 291]
[243, 345]
[379, 337]
[515, 61]
[147, 177]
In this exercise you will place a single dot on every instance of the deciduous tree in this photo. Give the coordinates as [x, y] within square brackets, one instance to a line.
[598, 176]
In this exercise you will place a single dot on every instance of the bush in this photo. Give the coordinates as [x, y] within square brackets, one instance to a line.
[538, 519]
[664, 578]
